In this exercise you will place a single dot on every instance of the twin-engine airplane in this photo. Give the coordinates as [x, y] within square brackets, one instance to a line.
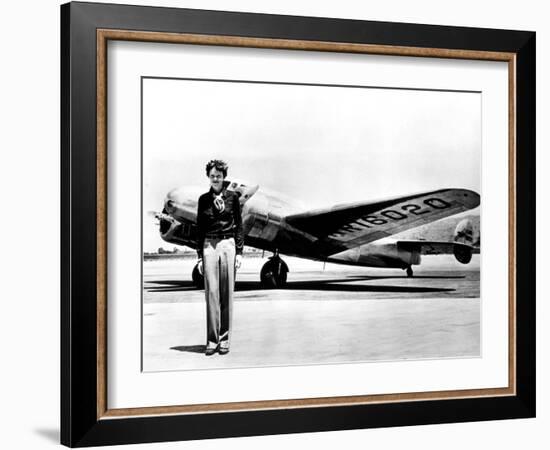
[356, 233]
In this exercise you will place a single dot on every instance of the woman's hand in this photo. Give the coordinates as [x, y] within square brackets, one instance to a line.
[199, 266]
[238, 261]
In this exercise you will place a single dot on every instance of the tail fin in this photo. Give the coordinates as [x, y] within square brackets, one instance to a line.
[464, 232]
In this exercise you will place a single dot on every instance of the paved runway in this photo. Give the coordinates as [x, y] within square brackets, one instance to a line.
[339, 314]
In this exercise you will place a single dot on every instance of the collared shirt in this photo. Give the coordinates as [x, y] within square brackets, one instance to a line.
[212, 222]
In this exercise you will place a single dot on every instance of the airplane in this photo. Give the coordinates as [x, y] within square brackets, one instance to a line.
[358, 233]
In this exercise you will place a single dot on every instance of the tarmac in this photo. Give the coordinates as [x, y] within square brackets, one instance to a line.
[329, 314]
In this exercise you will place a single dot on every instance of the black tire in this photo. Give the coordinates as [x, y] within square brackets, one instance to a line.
[198, 279]
[267, 277]
[273, 274]
[282, 279]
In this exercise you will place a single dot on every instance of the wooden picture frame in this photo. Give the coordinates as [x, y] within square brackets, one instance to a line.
[85, 416]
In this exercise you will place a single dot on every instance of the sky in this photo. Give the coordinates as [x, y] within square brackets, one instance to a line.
[319, 144]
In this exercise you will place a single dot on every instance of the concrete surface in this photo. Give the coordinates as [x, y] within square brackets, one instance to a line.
[339, 314]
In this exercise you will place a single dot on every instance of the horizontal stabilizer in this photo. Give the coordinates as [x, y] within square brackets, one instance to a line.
[433, 247]
[462, 252]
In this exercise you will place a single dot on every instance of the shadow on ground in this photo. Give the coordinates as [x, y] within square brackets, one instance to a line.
[332, 284]
[50, 434]
[190, 348]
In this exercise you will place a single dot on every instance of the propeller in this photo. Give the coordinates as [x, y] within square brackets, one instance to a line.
[154, 215]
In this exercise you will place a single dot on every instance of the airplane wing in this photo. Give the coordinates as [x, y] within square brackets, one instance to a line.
[353, 224]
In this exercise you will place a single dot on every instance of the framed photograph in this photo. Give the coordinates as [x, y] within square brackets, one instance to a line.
[278, 224]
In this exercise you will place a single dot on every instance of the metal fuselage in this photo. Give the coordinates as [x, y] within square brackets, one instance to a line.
[265, 228]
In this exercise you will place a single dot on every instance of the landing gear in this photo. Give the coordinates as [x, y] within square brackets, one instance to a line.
[198, 279]
[273, 273]
[409, 271]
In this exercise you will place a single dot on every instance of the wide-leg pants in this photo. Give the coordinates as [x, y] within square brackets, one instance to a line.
[219, 282]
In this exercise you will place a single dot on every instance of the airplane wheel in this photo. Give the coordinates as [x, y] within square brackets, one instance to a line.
[409, 272]
[198, 279]
[273, 274]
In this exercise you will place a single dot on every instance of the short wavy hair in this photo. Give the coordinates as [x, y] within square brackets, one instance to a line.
[218, 164]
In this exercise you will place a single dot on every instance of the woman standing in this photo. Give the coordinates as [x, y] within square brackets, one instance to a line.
[220, 242]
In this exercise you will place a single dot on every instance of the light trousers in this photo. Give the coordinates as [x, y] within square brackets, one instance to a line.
[219, 282]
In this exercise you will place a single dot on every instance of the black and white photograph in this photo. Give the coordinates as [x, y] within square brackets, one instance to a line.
[297, 224]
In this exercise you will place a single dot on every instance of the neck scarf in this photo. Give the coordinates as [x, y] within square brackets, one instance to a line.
[218, 202]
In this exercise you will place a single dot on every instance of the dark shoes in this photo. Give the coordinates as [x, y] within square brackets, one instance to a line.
[210, 351]
[222, 348]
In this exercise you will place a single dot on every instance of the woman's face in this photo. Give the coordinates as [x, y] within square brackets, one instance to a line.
[216, 179]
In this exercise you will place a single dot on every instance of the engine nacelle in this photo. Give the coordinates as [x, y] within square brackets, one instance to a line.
[175, 232]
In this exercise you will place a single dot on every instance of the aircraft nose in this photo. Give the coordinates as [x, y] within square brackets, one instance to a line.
[172, 200]
[181, 202]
